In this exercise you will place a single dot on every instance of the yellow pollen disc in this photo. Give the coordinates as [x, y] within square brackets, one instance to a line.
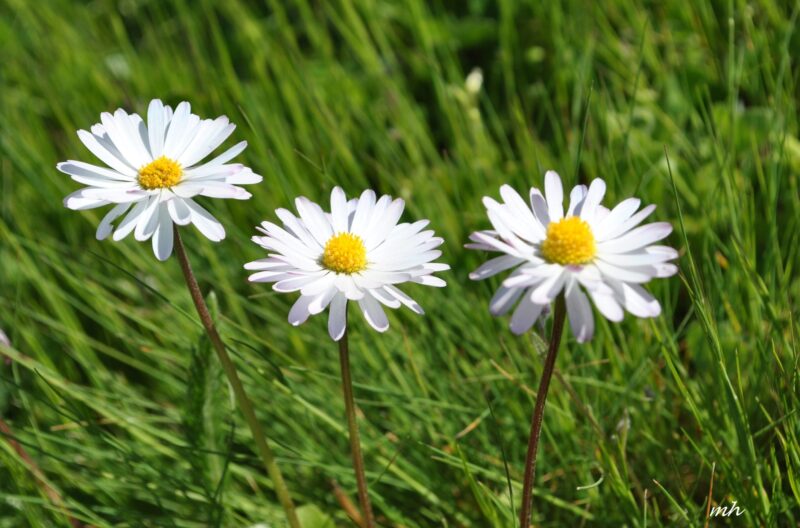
[345, 253]
[569, 241]
[160, 173]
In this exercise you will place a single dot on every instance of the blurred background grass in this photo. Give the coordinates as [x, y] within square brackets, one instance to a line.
[109, 385]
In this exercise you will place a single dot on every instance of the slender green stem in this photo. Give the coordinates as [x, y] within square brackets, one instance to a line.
[245, 404]
[538, 413]
[355, 442]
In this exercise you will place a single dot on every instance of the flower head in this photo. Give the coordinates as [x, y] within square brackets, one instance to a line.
[589, 250]
[152, 174]
[357, 252]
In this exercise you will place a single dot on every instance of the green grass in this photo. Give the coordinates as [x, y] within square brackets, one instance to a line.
[113, 392]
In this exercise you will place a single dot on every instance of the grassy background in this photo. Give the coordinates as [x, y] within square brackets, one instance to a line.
[111, 389]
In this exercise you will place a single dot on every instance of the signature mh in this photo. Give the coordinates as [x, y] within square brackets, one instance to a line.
[726, 511]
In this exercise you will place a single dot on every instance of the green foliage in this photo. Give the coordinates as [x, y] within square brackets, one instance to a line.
[111, 392]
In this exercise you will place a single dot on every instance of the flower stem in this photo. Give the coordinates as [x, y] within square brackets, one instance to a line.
[538, 413]
[245, 404]
[355, 443]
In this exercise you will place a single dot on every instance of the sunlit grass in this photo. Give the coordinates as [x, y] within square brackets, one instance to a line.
[112, 390]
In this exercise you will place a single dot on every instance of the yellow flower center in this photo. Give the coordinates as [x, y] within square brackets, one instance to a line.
[569, 241]
[160, 174]
[345, 253]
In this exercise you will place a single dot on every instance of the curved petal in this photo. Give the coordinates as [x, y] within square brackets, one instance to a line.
[554, 193]
[503, 300]
[494, 266]
[106, 224]
[106, 153]
[363, 212]
[525, 315]
[373, 313]
[179, 211]
[205, 222]
[581, 320]
[299, 313]
[576, 198]
[163, 236]
[130, 221]
[339, 216]
[529, 226]
[148, 220]
[156, 125]
[337, 317]
[597, 189]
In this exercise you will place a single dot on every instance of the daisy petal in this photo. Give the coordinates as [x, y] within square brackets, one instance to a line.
[106, 224]
[576, 198]
[214, 164]
[404, 299]
[607, 305]
[148, 220]
[579, 311]
[494, 266]
[530, 227]
[295, 283]
[637, 300]
[299, 313]
[337, 317]
[163, 236]
[214, 133]
[636, 238]
[548, 289]
[381, 227]
[597, 189]
[92, 174]
[78, 201]
[616, 217]
[106, 155]
[321, 301]
[130, 221]
[177, 129]
[363, 212]
[156, 125]
[525, 315]
[644, 256]
[204, 222]
[539, 207]
[314, 220]
[373, 313]
[554, 193]
[504, 299]
[179, 211]
[625, 226]
[339, 217]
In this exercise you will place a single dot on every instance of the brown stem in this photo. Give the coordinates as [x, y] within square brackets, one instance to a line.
[538, 413]
[233, 378]
[347, 505]
[355, 443]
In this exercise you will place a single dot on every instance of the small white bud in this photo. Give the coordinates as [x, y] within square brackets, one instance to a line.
[474, 81]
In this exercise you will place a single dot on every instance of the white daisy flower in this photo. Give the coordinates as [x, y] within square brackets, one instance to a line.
[357, 252]
[153, 173]
[587, 250]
